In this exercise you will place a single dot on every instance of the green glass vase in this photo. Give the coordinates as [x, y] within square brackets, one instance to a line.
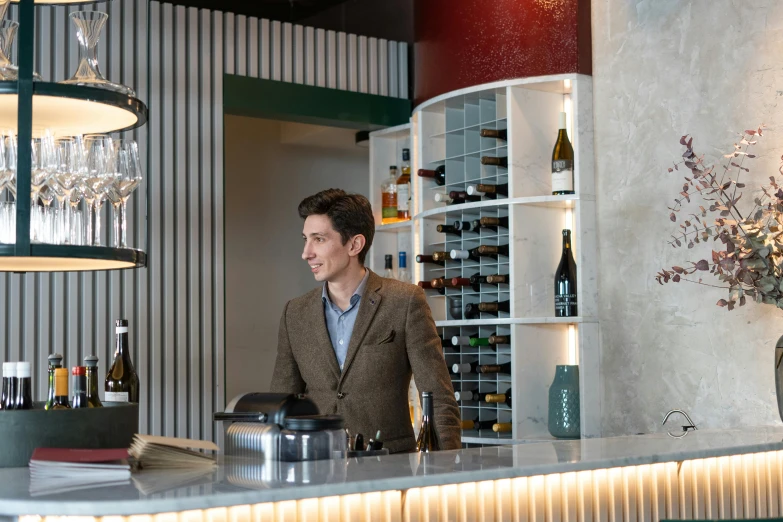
[564, 411]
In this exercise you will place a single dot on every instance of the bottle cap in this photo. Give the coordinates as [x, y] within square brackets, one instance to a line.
[55, 357]
[61, 372]
[9, 369]
[403, 260]
[562, 120]
[91, 361]
[394, 167]
[406, 154]
[23, 370]
[79, 370]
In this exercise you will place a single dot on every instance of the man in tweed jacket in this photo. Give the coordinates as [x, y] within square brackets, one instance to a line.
[353, 344]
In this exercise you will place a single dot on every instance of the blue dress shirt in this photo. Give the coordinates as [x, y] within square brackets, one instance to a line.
[340, 322]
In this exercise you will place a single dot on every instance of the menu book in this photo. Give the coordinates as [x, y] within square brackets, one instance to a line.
[87, 464]
[153, 451]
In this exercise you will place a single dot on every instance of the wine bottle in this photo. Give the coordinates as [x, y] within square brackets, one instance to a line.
[445, 342]
[464, 226]
[439, 174]
[389, 197]
[460, 196]
[474, 367]
[490, 222]
[445, 282]
[122, 383]
[428, 435]
[492, 340]
[61, 389]
[478, 425]
[497, 161]
[501, 134]
[24, 391]
[459, 282]
[565, 281]
[404, 188]
[9, 374]
[472, 310]
[402, 271]
[91, 363]
[502, 427]
[476, 280]
[448, 229]
[427, 285]
[461, 340]
[562, 162]
[388, 270]
[55, 361]
[490, 398]
[477, 253]
[488, 191]
[79, 398]
[440, 197]
[432, 259]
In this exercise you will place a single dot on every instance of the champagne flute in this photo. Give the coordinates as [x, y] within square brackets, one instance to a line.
[128, 179]
[100, 173]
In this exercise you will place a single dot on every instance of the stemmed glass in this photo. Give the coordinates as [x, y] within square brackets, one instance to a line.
[128, 179]
[100, 176]
[44, 164]
[70, 167]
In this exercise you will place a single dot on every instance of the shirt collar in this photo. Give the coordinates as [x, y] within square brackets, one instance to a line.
[357, 294]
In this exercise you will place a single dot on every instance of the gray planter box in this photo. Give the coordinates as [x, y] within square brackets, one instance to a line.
[112, 426]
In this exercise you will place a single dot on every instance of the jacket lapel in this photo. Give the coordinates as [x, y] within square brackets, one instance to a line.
[321, 334]
[370, 303]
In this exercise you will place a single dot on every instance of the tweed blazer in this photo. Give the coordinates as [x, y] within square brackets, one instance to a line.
[394, 336]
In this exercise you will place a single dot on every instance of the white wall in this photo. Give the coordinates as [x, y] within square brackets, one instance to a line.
[270, 167]
[663, 68]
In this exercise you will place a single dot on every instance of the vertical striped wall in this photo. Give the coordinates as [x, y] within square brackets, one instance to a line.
[175, 58]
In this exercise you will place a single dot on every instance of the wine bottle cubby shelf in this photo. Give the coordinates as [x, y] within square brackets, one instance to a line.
[446, 133]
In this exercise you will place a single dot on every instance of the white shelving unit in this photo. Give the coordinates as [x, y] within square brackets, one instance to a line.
[445, 131]
[386, 149]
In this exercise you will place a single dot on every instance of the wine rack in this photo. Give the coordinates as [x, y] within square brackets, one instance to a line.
[446, 133]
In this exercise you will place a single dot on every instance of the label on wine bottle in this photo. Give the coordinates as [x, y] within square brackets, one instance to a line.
[116, 396]
[563, 176]
[403, 197]
[565, 305]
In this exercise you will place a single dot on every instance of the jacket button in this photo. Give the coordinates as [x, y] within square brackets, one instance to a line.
[340, 395]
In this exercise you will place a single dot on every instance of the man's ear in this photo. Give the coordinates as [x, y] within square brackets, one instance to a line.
[357, 243]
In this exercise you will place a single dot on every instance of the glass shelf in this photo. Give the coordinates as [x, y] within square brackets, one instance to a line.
[70, 258]
[69, 110]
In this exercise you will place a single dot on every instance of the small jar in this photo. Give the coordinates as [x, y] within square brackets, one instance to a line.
[312, 437]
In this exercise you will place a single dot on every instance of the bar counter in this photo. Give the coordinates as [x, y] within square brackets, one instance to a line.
[705, 474]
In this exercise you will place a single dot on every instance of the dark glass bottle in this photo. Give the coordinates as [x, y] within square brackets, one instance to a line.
[488, 191]
[476, 280]
[563, 162]
[93, 399]
[24, 391]
[497, 161]
[428, 435]
[474, 367]
[490, 222]
[462, 340]
[501, 134]
[388, 270]
[565, 281]
[79, 398]
[427, 285]
[439, 174]
[494, 425]
[122, 383]
[481, 251]
[9, 375]
[448, 229]
[489, 398]
[55, 361]
[492, 340]
[460, 196]
[435, 260]
[472, 310]
[464, 226]
[61, 389]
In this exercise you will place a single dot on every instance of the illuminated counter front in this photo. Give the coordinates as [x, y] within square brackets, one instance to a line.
[707, 474]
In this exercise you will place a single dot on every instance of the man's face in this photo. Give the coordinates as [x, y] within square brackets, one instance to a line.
[323, 248]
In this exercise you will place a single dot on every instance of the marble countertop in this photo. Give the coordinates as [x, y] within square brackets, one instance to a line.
[239, 481]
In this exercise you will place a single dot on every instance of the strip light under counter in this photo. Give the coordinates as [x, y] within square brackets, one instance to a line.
[729, 487]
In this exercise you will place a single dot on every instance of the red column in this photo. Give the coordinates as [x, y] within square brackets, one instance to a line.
[461, 43]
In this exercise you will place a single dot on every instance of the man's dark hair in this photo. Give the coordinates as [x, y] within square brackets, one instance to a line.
[350, 214]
